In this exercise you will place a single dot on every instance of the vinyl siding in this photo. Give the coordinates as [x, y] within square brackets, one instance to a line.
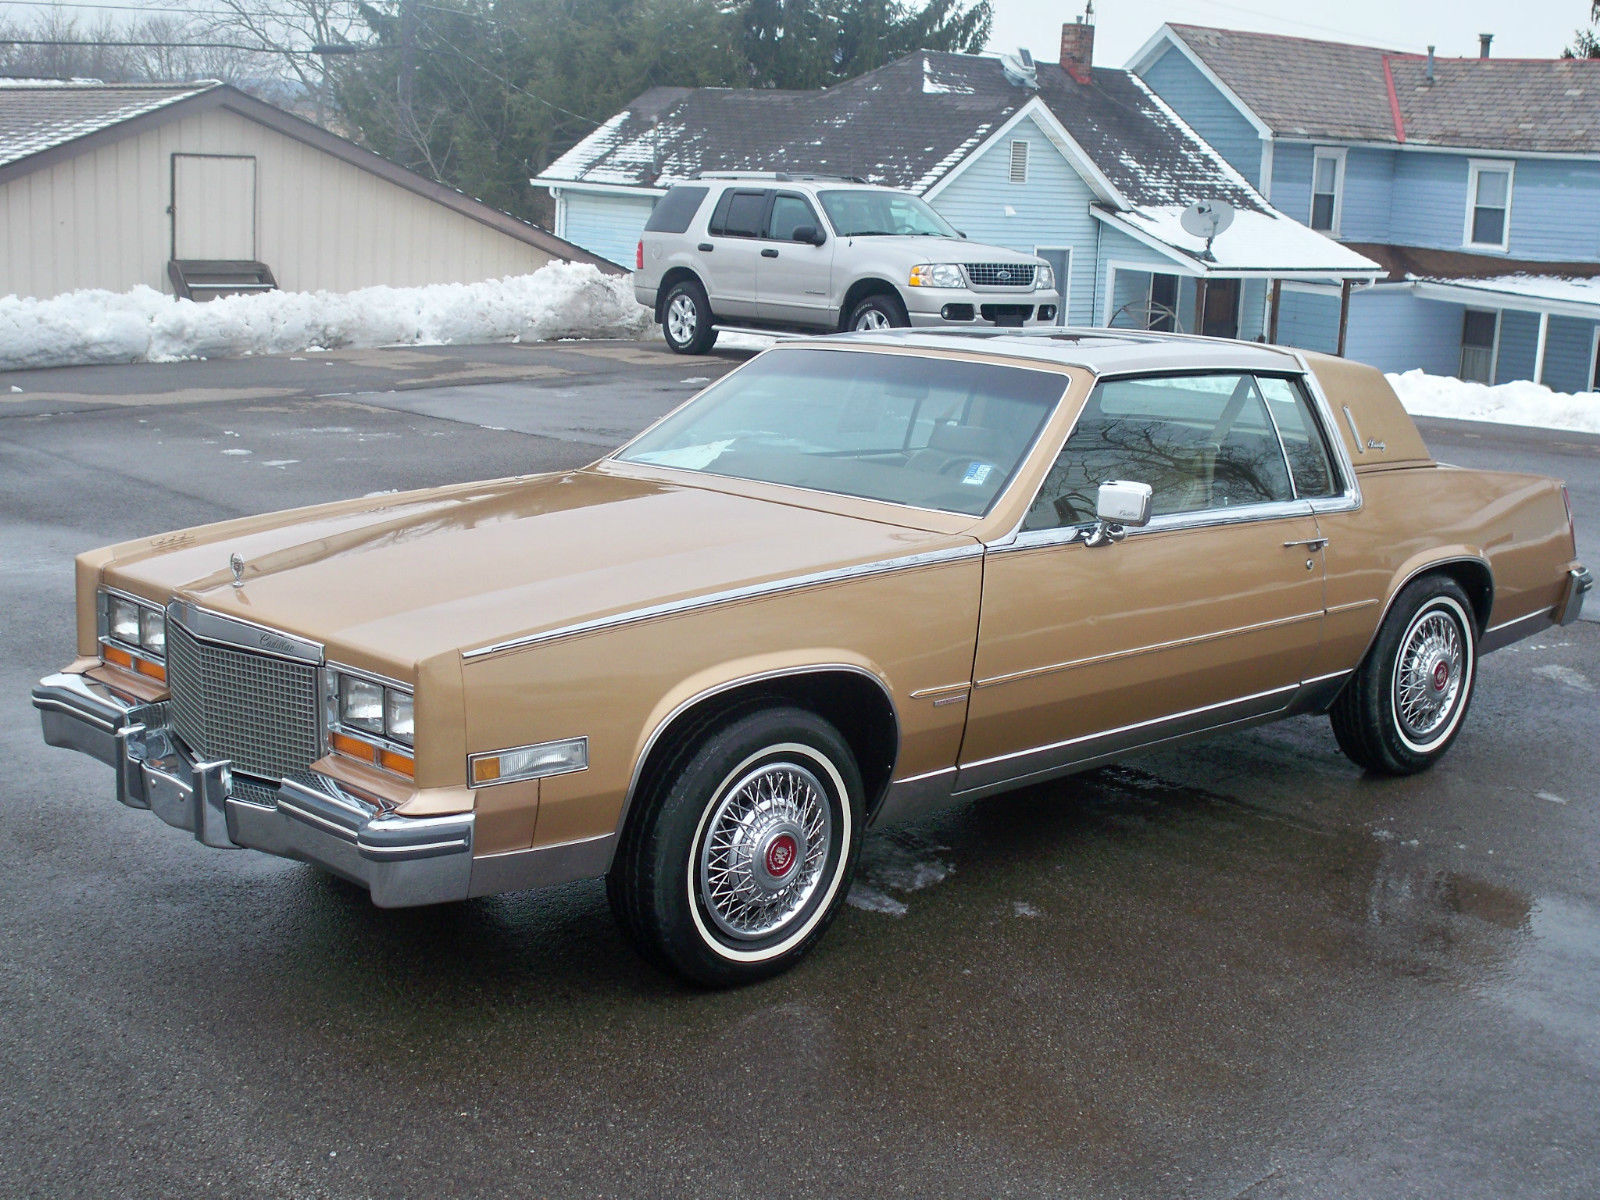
[607, 225]
[1555, 210]
[1430, 200]
[1211, 114]
[1393, 330]
[1291, 180]
[1309, 320]
[1051, 209]
[1566, 358]
[100, 218]
[1368, 192]
[1519, 335]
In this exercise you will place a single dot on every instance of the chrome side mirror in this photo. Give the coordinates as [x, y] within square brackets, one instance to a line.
[1120, 505]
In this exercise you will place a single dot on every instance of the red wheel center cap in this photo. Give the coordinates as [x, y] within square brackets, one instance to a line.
[781, 855]
[1441, 676]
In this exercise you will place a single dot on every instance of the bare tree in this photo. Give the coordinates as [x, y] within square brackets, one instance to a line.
[156, 48]
[286, 32]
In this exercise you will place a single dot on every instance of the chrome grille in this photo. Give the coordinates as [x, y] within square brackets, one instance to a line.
[1000, 274]
[258, 712]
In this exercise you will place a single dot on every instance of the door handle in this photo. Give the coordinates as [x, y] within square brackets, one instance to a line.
[706, 247]
[1316, 543]
[769, 252]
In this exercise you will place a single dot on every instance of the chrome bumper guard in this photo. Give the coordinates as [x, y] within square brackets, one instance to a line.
[401, 860]
[1579, 584]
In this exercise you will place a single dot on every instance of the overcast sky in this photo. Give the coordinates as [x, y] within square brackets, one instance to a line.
[1522, 28]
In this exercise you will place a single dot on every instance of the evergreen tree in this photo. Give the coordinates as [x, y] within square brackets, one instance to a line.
[1586, 42]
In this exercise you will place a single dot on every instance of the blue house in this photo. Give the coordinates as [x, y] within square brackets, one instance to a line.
[1083, 165]
[1474, 182]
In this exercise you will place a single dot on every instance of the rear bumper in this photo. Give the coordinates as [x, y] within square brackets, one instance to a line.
[402, 861]
[1579, 583]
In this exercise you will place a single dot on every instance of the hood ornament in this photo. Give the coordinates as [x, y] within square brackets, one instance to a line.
[236, 565]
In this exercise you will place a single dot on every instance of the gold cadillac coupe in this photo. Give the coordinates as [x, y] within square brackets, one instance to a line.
[856, 580]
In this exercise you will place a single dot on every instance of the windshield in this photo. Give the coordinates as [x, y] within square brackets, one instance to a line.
[860, 212]
[929, 432]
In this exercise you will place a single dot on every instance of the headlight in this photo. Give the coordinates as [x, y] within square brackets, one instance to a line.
[939, 275]
[361, 704]
[133, 634]
[1044, 277]
[371, 719]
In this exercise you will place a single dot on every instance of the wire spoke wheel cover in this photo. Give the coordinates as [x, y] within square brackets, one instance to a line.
[1428, 675]
[764, 849]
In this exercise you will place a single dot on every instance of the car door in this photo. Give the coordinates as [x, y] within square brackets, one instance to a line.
[732, 249]
[793, 278]
[1210, 614]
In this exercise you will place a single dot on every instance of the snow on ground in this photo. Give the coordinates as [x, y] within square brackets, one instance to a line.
[561, 300]
[1523, 403]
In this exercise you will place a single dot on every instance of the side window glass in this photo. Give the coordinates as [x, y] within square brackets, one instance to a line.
[1201, 442]
[1303, 443]
[788, 214]
[740, 214]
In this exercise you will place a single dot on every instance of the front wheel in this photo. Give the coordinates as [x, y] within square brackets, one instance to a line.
[741, 857]
[881, 311]
[686, 319]
[1405, 703]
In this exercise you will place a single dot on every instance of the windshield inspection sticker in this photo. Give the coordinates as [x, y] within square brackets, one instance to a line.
[976, 474]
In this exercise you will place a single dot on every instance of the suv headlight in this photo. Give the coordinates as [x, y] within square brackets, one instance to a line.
[939, 275]
[1044, 277]
[371, 719]
[133, 634]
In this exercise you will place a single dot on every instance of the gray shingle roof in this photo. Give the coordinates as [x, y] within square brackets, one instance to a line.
[907, 124]
[1300, 87]
[37, 117]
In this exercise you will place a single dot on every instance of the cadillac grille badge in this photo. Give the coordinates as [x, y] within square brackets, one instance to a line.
[236, 565]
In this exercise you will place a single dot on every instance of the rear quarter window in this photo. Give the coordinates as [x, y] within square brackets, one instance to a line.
[675, 210]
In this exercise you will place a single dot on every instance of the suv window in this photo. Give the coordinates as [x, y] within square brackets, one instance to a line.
[675, 210]
[790, 212]
[862, 212]
[1201, 442]
[740, 214]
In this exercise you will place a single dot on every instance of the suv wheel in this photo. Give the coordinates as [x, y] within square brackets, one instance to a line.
[880, 311]
[686, 319]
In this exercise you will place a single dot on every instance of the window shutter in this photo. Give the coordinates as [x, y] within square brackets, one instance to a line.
[1019, 162]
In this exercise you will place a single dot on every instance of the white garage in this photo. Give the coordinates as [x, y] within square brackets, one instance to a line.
[199, 189]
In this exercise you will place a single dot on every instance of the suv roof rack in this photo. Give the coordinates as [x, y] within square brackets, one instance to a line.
[780, 176]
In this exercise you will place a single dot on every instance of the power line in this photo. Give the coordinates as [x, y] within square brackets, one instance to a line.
[5, 41]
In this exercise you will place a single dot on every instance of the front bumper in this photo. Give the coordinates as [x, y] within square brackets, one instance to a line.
[401, 860]
[1579, 583]
[940, 308]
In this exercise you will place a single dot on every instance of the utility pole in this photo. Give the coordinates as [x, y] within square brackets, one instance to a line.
[408, 56]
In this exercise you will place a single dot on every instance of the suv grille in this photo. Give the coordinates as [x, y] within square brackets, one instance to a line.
[257, 711]
[1000, 274]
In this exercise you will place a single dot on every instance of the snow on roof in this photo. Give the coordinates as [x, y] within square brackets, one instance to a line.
[1264, 242]
[1558, 289]
[39, 116]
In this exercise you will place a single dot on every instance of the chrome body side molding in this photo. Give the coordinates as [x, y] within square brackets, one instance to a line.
[729, 596]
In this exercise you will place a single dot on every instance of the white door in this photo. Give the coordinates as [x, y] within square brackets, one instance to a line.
[213, 206]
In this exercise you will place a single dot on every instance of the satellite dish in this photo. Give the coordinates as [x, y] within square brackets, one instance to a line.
[1206, 219]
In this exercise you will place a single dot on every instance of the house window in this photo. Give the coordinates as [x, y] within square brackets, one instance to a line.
[1489, 205]
[1019, 162]
[1478, 330]
[1327, 183]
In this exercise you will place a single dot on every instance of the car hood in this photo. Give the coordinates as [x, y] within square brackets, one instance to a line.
[941, 249]
[401, 578]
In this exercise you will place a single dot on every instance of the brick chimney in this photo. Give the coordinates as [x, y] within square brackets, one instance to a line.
[1077, 49]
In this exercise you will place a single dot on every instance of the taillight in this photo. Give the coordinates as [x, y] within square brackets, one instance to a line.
[638, 256]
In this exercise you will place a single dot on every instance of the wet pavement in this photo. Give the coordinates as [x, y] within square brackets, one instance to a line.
[1235, 969]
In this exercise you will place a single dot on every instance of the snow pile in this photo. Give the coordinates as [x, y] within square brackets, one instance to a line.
[1520, 403]
[561, 300]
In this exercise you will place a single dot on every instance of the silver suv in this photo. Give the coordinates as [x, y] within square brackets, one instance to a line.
[781, 252]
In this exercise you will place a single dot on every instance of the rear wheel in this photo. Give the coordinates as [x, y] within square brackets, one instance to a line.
[1405, 703]
[878, 311]
[686, 319]
[741, 857]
